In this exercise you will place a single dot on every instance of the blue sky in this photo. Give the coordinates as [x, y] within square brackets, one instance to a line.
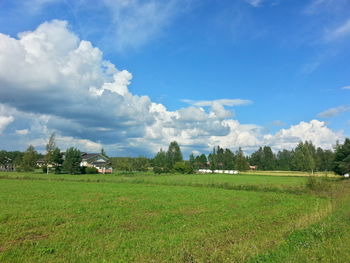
[235, 73]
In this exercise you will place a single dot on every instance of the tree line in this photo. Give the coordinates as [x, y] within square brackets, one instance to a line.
[304, 157]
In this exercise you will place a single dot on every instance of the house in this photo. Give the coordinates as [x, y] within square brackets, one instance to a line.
[252, 167]
[97, 160]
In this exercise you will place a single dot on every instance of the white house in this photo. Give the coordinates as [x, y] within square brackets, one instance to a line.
[100, 162]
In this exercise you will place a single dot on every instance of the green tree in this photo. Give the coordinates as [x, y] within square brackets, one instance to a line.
[173, 154]
[29, 159]
[241, 162]
[269, 159]
[57, 160]
[160, 163]
[72, 161]
[103, 153]
[183, 167]
[342, 158]
[304, 157]
[284, 159]
[50, 147]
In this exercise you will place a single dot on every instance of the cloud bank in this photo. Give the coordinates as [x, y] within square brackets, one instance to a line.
[53, 81]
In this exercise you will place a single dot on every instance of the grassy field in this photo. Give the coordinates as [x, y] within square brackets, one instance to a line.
[174, 218]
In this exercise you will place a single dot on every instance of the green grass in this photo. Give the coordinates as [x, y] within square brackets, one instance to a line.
[109, 218]
[237, 182]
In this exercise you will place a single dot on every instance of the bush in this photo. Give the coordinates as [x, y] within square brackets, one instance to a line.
[160, 170]
[44, 168]
[91, 170]
[183, 167]
[317, 183]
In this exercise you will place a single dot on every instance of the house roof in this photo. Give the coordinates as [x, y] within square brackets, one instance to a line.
[88, 156]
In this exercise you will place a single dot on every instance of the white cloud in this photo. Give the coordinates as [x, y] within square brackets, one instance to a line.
[255, 3]
[22, 132]
[223, 102]
[346, 88]
[136, 22]
[339, 32]
[4, 122]
[332, 112]
[315, 130]
[50, 80]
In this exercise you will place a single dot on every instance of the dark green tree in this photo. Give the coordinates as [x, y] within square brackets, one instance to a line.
[241, 162]
[57, 160]
[284, 159]
[342, 158]
[160, 163]
[72, 161]
[269, 159]
[173, 154]
[29, 159]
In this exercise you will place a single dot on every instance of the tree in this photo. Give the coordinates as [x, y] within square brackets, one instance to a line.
[283, 161]
[57, 160]
[342, 158]
[160, 163]
[103, 153]
[173, 154]
[72, 161]
[241, 162]
[50, 147]
[29, 159]
[269, 160]
[183, 167]
[304, 157]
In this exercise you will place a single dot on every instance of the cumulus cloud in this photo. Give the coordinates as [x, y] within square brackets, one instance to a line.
[53, 81]
[315, 130]
[332, 112]
[4, 122]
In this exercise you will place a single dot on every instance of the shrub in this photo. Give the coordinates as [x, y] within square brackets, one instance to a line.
[317, 183]
[91, 170]
[183, 167]
[44, 168]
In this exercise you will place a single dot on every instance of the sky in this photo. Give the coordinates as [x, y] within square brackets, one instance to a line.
[130, 76]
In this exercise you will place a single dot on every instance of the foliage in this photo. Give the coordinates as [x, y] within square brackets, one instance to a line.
[128, 164]
[91, 170]
[183, 167]
[29, 159]
[72, 161]
[342, 158]
[50, 147]
[173, 154]
[241, 162]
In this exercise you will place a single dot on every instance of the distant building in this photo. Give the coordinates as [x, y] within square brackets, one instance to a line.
[97, 160]
[252, 167]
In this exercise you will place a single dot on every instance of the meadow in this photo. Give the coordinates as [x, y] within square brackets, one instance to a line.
[172, 218]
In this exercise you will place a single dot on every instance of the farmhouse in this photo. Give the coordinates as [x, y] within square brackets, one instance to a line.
[99, 161]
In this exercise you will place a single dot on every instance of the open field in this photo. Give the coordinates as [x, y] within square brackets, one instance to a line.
[238, 182]
[108, 218]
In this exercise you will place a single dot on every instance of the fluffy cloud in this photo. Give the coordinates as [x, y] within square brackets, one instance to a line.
[52, 81]
[315, 130]
[4, 121]
[332, 112]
